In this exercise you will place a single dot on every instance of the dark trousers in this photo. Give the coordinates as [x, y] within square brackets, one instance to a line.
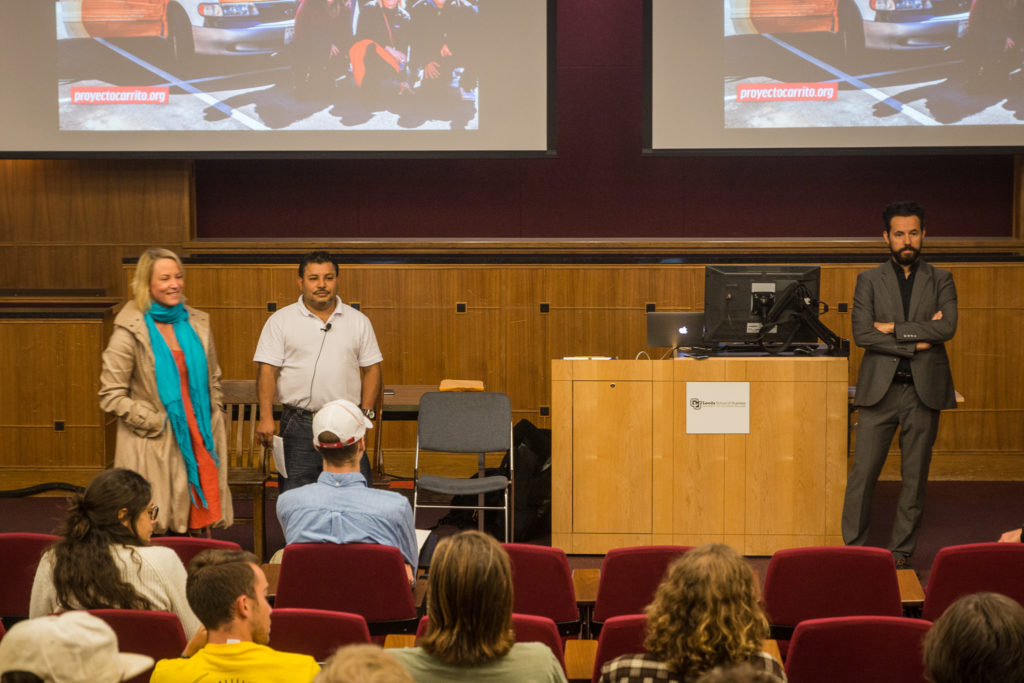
[301, 459]
[876, 425]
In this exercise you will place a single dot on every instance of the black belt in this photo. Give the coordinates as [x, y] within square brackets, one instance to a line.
[302, 412]
[903, 377]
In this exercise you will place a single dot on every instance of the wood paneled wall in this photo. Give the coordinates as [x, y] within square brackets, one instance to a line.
[51, 427]
[505, 340]
[51, 366]
[68, 224]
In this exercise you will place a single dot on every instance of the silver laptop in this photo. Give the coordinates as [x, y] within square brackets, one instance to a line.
[674, 329]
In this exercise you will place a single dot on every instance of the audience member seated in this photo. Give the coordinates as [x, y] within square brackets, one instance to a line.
[104, 559]
[362, 664]
[228, 591]
[469, 635]
[74, 647]
[737, 673]
[978, 639]
[338, 507]
[706, 613]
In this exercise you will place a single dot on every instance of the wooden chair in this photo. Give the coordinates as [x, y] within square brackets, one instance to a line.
[248, 461]
[375, 450]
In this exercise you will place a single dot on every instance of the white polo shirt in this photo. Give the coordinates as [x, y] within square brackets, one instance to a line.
[294, 340]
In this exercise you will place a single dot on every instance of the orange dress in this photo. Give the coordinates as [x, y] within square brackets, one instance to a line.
[199, 516]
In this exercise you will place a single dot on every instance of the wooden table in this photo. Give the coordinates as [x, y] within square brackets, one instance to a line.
[911, 593]
[397, 640]
[584, 583]
[396, 402]
[402, 401]
[579, 659]
[273, 574]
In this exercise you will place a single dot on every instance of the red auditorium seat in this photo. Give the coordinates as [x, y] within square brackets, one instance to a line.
[542, 585]
[146, 632]
[20, 553]
[361, 578]
[828, 581]
[857, 649]
[974, 568]
[629, 577]
[315, 632]
[622, 635]
[188, 547]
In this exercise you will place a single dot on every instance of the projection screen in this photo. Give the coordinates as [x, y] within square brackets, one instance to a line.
[835, 74]
[275, 77]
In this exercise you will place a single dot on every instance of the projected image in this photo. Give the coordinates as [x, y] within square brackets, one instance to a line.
[256, 65]
[862, 63]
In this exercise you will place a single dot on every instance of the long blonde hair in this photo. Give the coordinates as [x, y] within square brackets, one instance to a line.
[706, 612]
[470, 601]
[143, 277]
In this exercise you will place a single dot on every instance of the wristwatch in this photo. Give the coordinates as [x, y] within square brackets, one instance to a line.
[370, 413]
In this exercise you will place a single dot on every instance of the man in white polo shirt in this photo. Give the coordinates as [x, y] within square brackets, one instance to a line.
[310, 353]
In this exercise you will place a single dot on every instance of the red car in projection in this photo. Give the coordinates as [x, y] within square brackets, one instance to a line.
[210, 27]
[858, 24]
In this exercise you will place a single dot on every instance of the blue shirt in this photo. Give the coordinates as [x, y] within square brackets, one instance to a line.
[339, 508]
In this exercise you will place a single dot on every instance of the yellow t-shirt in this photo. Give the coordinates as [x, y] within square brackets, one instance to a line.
[245, 662]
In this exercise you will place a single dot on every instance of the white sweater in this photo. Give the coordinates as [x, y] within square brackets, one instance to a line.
[155, 572]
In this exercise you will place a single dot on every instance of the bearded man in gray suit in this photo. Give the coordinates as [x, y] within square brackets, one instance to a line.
[903, 313]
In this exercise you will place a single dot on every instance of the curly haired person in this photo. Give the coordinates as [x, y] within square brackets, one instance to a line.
[705, 614]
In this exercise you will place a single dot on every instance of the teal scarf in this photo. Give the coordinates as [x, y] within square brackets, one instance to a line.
[168, 385]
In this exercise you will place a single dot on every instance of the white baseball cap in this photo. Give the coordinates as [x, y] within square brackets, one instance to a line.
[342, 418]
[73, 647]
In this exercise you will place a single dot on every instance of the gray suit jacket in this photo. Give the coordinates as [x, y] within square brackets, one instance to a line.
[877, 299]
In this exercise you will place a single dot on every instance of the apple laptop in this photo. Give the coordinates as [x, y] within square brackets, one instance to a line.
[675, 329]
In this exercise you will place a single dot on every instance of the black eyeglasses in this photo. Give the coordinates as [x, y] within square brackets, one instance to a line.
[153, 512]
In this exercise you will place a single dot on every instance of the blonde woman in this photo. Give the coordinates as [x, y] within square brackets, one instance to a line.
[706, 613]
[161, 379]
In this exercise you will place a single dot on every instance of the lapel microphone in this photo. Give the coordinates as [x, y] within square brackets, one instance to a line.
[326, 328]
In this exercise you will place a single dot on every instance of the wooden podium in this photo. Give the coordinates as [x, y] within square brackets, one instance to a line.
[625, 471]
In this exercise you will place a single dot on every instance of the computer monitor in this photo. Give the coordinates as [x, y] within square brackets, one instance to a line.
[739, 300]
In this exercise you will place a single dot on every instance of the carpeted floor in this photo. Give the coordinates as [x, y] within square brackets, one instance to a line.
[957, 512]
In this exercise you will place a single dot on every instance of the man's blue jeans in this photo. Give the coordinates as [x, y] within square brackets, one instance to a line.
[301, 459]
